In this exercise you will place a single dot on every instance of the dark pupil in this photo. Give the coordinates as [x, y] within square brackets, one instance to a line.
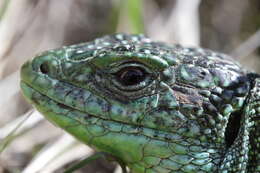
[131, 76]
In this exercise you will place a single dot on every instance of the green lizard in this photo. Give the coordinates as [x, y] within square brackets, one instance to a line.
[156, 107]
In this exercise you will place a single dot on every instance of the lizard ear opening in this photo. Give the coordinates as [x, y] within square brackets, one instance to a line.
[232, 128]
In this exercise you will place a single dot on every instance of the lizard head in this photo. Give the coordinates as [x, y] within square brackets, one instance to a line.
[152, 105]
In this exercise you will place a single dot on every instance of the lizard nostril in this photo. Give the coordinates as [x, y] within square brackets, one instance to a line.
[44, 68]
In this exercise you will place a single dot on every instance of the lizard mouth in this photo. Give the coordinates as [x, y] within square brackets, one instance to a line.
[47, 105]
[126, 142]
[68, 117]
[60, 100]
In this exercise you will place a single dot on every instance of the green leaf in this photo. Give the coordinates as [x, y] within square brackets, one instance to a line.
[9, 138]
[91, 158]
[134, 8]
[3, 8]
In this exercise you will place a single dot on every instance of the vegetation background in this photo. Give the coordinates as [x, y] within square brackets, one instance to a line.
[30, 144]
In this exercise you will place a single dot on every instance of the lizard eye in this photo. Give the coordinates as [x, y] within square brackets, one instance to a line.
[131, 76]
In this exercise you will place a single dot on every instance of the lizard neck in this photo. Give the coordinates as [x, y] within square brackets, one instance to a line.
[254, 131]
[243, 155]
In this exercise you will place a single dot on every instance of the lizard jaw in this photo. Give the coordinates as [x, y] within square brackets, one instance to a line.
[44, 103]
[121, 140]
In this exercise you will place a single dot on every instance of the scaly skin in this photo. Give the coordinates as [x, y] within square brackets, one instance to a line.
[156, 107]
